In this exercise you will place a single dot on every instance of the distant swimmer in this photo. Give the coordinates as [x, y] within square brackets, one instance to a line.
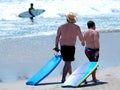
[31, 8]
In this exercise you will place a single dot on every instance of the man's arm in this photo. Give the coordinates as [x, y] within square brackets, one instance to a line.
[31, 12]
[96, 40]
[57, 38]
[81, 38]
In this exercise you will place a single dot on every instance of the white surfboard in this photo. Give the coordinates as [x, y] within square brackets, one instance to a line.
[80, 74]
[35, 12]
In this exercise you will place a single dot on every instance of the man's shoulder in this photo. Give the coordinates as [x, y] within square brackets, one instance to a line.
[68, 24]
[87, 31]
[31, 8]
[62, 25]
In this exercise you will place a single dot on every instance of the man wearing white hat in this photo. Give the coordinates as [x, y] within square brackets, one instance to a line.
[66, 35]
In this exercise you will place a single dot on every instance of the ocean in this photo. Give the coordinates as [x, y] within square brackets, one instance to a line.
[16, 34]
[105, 13]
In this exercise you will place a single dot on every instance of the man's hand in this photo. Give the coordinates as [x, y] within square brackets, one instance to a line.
[56, 49]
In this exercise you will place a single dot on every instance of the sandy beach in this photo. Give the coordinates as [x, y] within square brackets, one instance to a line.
[109, 80]
[20, 66]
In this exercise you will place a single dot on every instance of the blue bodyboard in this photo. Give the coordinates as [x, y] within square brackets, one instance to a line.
[45, 70]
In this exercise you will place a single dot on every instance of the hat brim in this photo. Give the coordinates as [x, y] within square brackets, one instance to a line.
[72, 19]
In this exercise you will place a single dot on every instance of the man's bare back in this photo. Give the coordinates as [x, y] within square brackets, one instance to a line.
[92, 39]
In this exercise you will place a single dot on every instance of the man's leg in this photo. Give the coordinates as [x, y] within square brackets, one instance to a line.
[66, 69]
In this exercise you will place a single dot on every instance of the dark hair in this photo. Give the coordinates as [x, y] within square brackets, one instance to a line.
[90, 24]
[31, 4]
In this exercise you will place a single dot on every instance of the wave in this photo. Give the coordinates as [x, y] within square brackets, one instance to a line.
[110, 31]
[104, 12]
[53, 7]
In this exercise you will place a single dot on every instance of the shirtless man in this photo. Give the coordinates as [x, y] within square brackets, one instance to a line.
[67, 34]
[91, 37]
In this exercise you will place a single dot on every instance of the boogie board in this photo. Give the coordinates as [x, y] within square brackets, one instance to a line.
[80, 74]
[45, 70]
[35, 12]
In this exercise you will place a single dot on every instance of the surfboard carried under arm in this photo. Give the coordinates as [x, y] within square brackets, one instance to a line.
[80, 74]
[35, 12]
[45, 70]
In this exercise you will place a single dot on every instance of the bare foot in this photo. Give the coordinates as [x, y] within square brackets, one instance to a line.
[85, 82]
[95, 80]
[63, 80]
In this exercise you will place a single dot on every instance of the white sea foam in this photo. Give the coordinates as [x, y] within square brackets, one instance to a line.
[55, 8]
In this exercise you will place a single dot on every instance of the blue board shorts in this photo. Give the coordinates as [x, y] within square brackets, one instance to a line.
[68, 53]
[90, 53]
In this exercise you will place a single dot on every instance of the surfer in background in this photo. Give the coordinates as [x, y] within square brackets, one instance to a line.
[91, 37]
[31, 8]
[66, 36]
